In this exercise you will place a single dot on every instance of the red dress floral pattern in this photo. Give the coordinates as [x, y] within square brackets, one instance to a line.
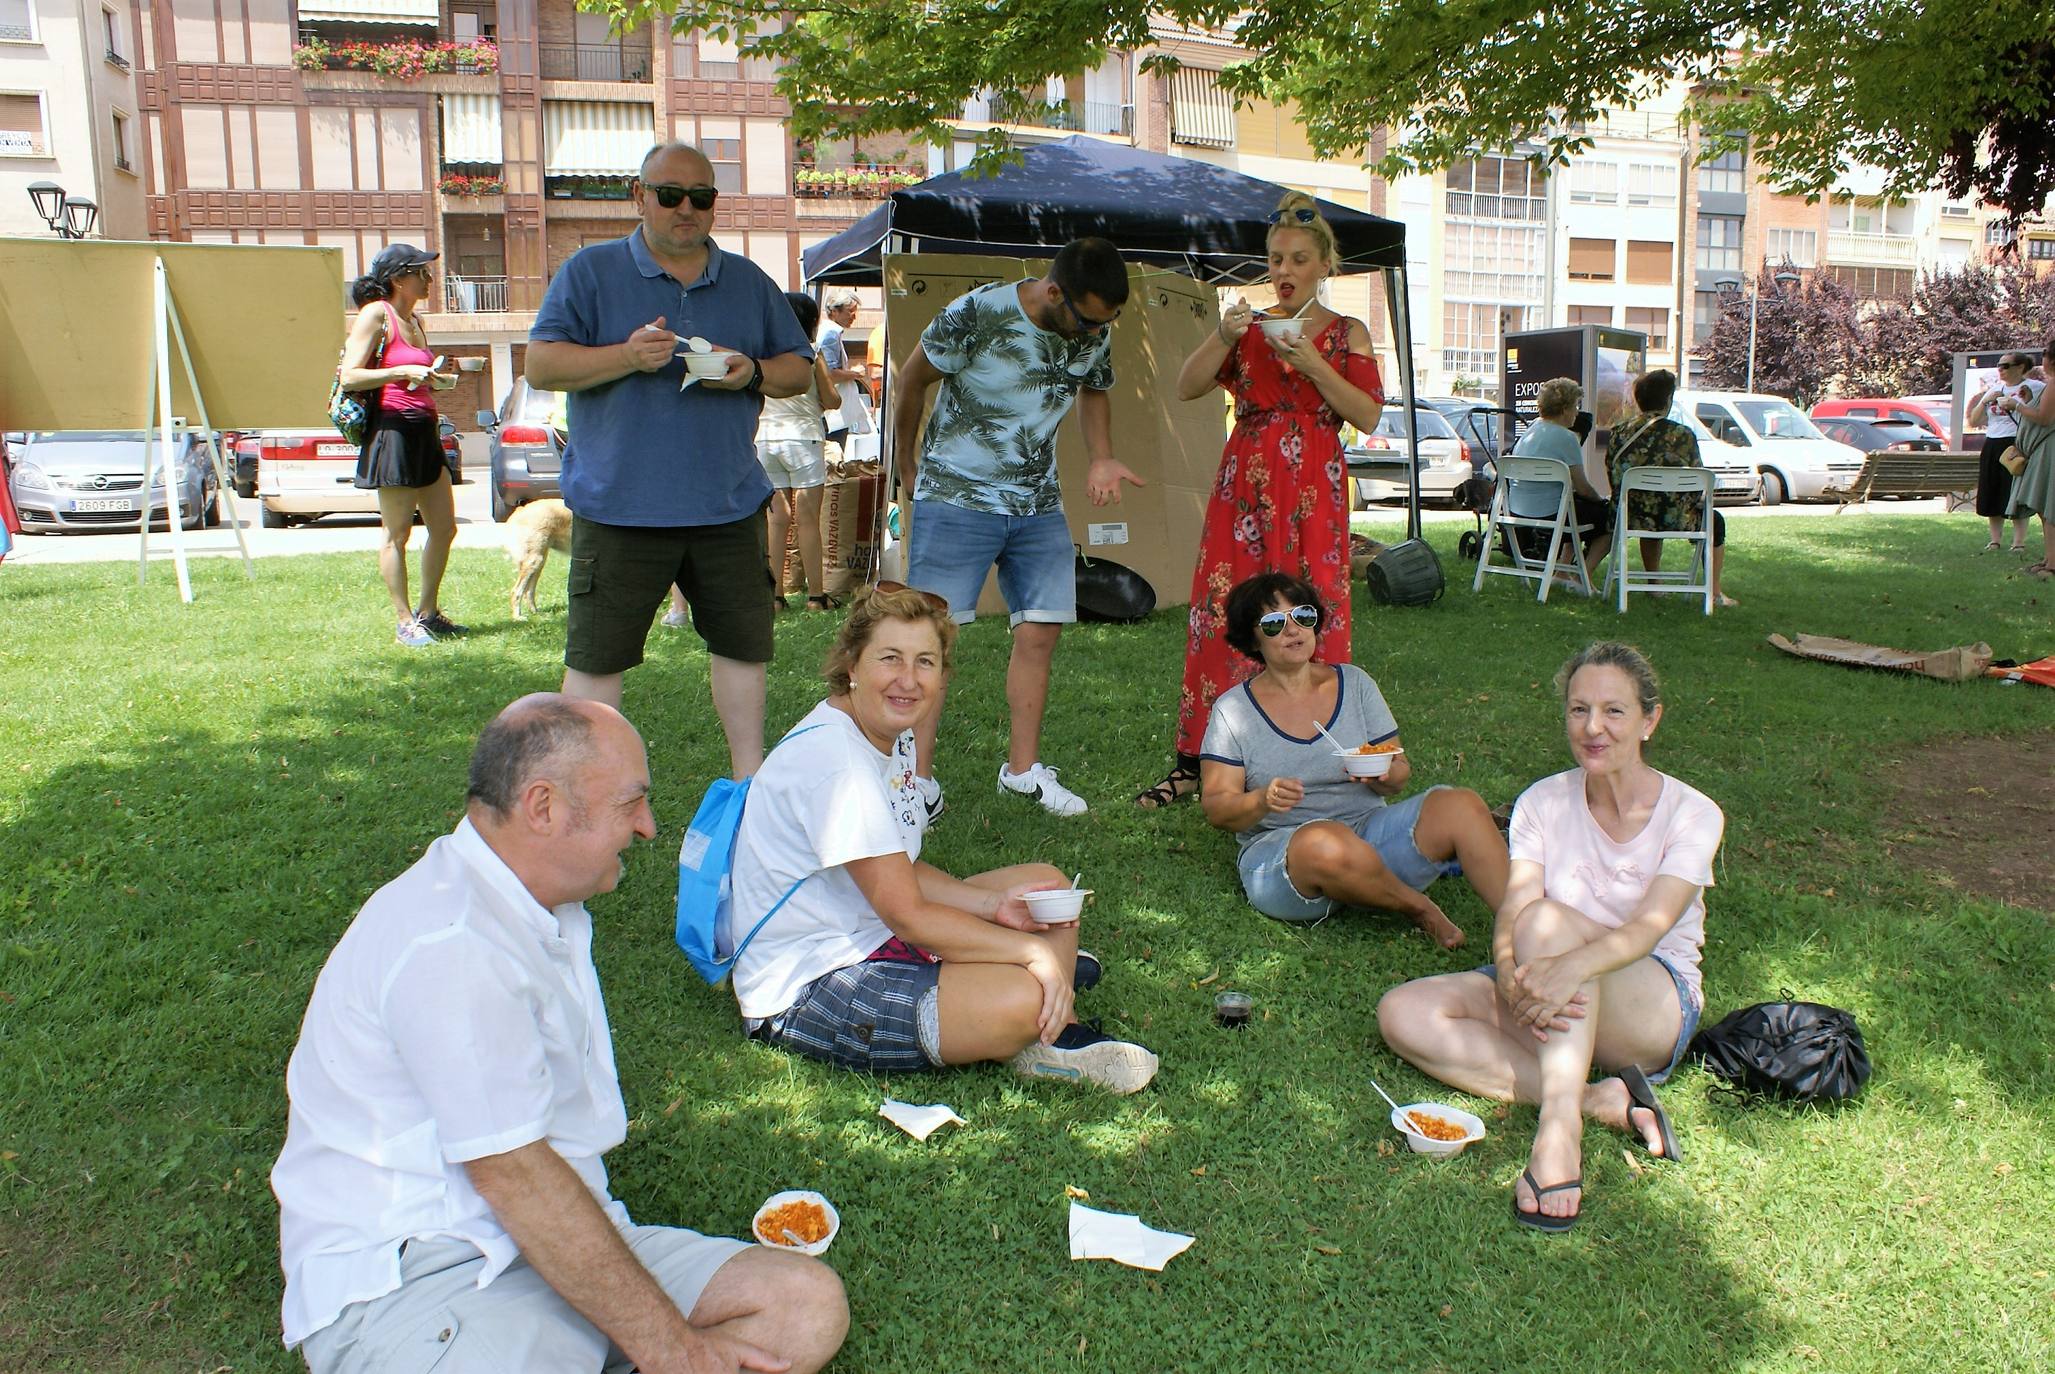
[1277, 505]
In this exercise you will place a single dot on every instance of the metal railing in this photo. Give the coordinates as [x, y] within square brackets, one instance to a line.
[594, 61]
[1040, 112]
[123, 163]
[1896, 250]
[812, 180]
[474, 295]
[117, 59]
[17, 33]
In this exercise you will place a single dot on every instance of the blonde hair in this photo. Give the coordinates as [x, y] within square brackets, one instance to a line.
[1558, 395]
[1318, 227]
[872, 609]
[1613, 654]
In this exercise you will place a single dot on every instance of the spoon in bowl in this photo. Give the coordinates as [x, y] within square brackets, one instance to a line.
[1386, 1096]
[1339, 746]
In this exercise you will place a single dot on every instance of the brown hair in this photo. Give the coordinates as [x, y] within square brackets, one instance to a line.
[1613, 654]
[873, 608]
[1317, 226]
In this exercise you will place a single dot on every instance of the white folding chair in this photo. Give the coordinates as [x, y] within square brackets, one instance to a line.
[1534, 493]
[1626, 573]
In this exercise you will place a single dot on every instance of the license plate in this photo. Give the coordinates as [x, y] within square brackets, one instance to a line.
[334, 451]
[102, 503]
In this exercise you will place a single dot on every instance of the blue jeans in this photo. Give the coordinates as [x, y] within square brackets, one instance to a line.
[1388, 830]
[953, 548]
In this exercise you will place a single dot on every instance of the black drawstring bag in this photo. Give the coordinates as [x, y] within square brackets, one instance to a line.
[1802, 1051]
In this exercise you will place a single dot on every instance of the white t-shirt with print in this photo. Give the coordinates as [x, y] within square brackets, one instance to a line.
[1605, 879]
[822, 799]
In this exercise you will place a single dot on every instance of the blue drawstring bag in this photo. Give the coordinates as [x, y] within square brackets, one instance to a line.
[706, 861]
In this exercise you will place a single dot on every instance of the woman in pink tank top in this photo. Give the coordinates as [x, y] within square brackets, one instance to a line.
[402, 459]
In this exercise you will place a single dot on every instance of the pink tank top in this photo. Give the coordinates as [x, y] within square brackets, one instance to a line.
[394, 396]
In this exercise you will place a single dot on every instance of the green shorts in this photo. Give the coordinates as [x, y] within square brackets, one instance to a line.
[621, 573]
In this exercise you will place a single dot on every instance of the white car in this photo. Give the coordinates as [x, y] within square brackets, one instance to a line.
[1796, 461]
[1735, 480]
[1378, 463]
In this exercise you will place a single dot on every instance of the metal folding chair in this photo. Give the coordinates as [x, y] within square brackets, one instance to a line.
[1534, 493]
[1625, 572]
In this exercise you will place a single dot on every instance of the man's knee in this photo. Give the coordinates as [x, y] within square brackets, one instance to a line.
[813, 1307]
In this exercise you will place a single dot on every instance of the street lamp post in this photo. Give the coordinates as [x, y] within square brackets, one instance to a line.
[1782, 279]
[70, 216]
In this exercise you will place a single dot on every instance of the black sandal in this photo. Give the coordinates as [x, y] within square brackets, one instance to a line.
[1181, 782]
[821, 603]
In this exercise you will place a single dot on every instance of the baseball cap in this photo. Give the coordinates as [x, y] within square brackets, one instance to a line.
[396, 258]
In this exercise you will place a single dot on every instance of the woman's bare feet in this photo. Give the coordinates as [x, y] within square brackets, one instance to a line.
[1608, 1103]
[1557, 1157]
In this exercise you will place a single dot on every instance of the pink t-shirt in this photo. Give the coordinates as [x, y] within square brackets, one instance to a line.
[394, 396]
[1585, 868]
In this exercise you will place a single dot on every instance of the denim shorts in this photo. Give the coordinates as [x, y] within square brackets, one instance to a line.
[1686, 1028]
[866, 1016]
[953, 549]
[1388, 830]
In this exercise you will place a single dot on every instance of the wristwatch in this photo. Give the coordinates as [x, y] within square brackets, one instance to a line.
[755, 382]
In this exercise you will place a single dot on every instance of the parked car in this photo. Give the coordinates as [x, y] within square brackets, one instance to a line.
[1878, 436]
[1444, 460]
[1735, 482]
[243, 459]
[1482, 428]
[93, 480]
[304, 474]
[1930, 413]
[1796, 462]
[527, 445]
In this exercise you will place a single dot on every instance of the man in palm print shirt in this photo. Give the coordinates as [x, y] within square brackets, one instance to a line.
[1012, 359]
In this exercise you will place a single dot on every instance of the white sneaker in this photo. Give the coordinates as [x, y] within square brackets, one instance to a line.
[930, 796]
[411, 634]
[1084, 1054]
[1040, 783]
[673, 620]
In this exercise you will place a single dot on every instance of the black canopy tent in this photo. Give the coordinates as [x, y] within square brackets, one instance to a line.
[1209, 222]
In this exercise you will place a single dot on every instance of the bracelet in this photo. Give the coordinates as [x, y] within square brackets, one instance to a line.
[1221, 330]
[755, 382]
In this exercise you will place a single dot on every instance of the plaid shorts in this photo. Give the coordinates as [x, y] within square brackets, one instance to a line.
[867, 1016]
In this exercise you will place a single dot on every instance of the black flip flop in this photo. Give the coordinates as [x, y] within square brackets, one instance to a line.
[1542, 1221]
[1642, 1093]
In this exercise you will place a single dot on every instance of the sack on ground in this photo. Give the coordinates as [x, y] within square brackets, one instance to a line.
[1802, 1051]
[1113, 592]
[1406, 574]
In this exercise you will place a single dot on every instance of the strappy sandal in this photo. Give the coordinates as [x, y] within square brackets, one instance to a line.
[1181, 782]
[822, 603]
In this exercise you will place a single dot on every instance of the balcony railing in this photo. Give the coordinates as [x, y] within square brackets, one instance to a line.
[1891, 250]
[16, 33]
[117, 59]
[21, 143]
[122, 162]
[594, 61]
[810, 180]
[475, 295]
[1036, 112]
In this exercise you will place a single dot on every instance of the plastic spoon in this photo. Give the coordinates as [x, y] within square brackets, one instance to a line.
[1343, 748]
[791, 1236]
[1078, 881]
[1386, 1096]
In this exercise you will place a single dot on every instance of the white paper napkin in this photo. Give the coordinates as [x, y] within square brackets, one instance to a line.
[1122, 1238]
[918, 1122]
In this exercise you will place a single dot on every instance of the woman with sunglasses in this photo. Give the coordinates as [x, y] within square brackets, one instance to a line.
[1311, 836]
[863, 955]
[2001, 431]
[388, 356]
[1280, 501]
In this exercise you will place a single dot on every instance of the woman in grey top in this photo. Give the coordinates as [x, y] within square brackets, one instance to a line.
[1311, 836]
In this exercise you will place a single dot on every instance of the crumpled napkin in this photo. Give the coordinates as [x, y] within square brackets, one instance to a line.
[1122, 1238]
[918, 1122]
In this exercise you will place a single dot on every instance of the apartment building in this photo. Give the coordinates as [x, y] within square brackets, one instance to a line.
[68, 112]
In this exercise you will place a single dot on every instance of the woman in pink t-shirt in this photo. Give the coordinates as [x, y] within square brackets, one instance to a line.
[1595, 947]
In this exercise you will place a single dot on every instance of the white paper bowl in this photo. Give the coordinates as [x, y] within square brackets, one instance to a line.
[1058, 905]
[777, 1200]
[470, 364]
[1366, 765]
[1427, 1145]
[708, 366]
[1283, 331]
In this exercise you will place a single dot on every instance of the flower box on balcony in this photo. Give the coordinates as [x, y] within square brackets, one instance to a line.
[404, 60]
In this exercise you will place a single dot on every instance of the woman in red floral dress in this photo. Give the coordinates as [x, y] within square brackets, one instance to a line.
[1279, 503]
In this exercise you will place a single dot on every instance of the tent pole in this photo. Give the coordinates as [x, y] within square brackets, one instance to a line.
[1397, 298]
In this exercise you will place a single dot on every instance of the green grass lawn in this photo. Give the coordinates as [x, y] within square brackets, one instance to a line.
[195, 800]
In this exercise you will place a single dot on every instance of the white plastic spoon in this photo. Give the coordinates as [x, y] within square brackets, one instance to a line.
[1343, 748]
[1078, 880]
[1386, 1096]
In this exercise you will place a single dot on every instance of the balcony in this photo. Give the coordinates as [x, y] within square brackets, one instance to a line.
[1036, 112]
[404, 60]
[1881, 250]
[595, 61]
[474, 295]
[117, 59]
[122, 163]
[16, 33]
[846, 192]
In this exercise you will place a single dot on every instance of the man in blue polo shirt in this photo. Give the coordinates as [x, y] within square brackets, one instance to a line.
[662, 480]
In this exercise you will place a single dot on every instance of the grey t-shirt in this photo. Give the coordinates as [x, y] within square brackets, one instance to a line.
[1239, 733]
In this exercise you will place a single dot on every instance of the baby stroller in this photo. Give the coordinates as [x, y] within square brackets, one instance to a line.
[1488, 434]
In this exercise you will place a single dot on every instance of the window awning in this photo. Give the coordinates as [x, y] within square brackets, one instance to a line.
[1861, 180]
[470, 129]
[595, 137]
[370, 12]
[1201, 114]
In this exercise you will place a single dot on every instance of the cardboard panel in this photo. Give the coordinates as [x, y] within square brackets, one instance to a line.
[1172, 445]
[265, 326]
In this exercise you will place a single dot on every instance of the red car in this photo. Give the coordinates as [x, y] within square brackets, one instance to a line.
[1930, 413]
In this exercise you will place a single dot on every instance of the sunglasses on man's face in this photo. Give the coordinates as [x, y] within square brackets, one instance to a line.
[1304, 214]
[670, 196]
[1085, 323]
[1272, 624]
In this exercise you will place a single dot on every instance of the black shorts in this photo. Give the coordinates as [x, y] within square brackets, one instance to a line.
[620, 574]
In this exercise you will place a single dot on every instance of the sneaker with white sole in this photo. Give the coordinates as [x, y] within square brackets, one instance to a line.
[930, 796]
[673, 620]
[411, 634]
[1087, 972]
[1040, 783]
[1084, 1055]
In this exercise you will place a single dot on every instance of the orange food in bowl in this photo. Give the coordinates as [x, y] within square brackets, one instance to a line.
[1434, 1128]
[806, 1220]
[1387, 747]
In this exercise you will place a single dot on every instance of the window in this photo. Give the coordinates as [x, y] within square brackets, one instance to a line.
[1591, 314]
[1876, 283]
[1653, 321]
[17, 21]
[347, 148]
[1705, 313]
[726, 156]
[1998, 233]
[1722, 175]
[115, 47]
[1493, 262]
[1591, 259]
[1470, 337]
[1953, 210]
[1648, 262]
[719, 59]
[121, 154]
[1653, 184]
[1201, 114]
[2041, 250]
[1497, 188]
[1719, 243]
[21, 125]
[1594, 183]
[1799, 247]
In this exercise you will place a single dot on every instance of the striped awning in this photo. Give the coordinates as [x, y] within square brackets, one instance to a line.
[470, 129]
[595, 137]
[1201, 114]
[370, 12]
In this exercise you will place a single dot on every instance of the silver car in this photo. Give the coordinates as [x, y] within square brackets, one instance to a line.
[93, 480]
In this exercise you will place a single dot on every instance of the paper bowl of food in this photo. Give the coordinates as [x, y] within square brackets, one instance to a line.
[470, 364]
[1056, 905]
[1368, 760]
[797, 1219]
[1435, 1128]
[1285, 329]
[708, 366]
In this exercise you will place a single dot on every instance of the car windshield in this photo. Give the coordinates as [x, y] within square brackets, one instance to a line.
[1777, 420]
[532, 407]
[1428, 422]
[1696, 426]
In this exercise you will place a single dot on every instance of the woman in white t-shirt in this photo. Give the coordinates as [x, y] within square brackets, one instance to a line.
[2001, 429]
[871, 959]
[1595, 947]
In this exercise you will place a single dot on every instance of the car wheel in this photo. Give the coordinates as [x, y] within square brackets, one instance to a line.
[212, 518]
[271, 519]
[500, 509]
[1774, 490]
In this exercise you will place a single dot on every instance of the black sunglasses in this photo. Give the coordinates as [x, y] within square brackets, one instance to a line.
[933, 602]
[669, 196]
[1272, 623]
[1085, 323]
[1304, 214]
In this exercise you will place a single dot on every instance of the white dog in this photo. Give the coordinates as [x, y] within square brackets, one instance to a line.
[532, 531]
